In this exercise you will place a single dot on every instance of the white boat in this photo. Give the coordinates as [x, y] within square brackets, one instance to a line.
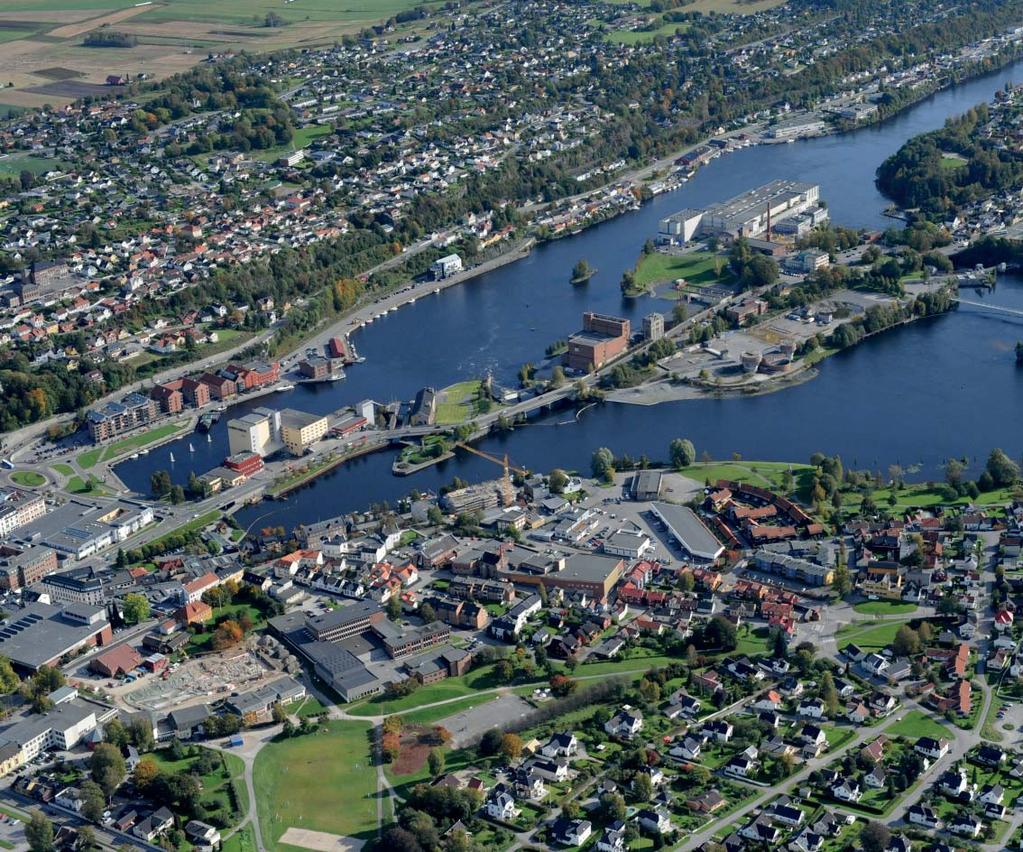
[134, 455]
[191, 449]
[436, 290]
[286, 386]
[172, 458]
[143, 452]
[209, 438]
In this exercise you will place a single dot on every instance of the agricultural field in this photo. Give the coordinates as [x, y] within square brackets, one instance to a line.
[41, 37]
[297, 788]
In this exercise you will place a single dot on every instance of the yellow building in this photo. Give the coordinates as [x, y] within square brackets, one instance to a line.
[300, 430]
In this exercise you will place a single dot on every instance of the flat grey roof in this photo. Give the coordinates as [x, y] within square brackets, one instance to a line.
[38, 633]
[683, 523]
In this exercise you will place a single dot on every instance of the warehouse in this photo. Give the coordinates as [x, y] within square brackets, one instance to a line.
[689, 531]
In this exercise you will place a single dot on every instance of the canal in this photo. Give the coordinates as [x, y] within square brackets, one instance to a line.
[946, 386]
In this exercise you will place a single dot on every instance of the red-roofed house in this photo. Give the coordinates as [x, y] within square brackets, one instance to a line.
[195, 589]
[197, 612]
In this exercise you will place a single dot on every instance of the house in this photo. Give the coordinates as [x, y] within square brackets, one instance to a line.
[626, 723]
[760, 830]
[201, 835]
[706, 802]
[881, 703]
[932, 748]
[741, 766]
[811, 708]
[992, 794]
[719, 729]
[857, 713]
[571, 832]
[688, 749]
[613, 838]
[555, 769]
[955, 784]
[561, 745]
[529, 785]
[875, 751]
[923, 815]
[876, 778]
[988, 755]
[813, 735]
[654, 820]
[846, 790]
[154, 825]
[876, 665]
[770, 700]
[807, 841]
[501, 805]
[966, 825]
[786, 813]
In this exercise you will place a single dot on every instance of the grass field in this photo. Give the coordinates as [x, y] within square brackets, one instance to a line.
[254, 11]
[915, 724]
[15, 164]
[77, 485]
[699, 268]
[760, 473]
[94, 456]
[885, 607]
[323, 781]
[951, 162]
[64, 469]
[28, 478]
[868, 635]
[303, 136]
[243, 840]
[432, 715]
[194, 524]
[457, 403]
[640, 36]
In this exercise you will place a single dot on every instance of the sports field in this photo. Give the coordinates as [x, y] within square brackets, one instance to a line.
[322, 782]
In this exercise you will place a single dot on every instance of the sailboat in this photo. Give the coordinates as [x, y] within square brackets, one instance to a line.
[172, 457]
[209, 438]
[191, 449]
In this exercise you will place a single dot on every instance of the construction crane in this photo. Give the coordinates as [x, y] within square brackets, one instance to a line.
[501, 461]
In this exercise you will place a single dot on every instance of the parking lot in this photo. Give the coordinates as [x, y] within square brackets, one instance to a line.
[470, 724]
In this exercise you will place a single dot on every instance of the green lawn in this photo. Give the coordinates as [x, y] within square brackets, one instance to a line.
[310, 706]
[432, 715]
[201, 642]
[916, 724]
[324, 781]
[303, 136]
[885, 607]
[457, 403]
[699, 268]
[105, 453]
[643, 36]
[759, 473]
[28, 478]
[64, 469]
[952, 162]
[869, 635]
[77, 485]
[243, 840]
[191, 526]
[15, 164]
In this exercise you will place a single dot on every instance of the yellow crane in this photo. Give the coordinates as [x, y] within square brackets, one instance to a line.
[491, 458]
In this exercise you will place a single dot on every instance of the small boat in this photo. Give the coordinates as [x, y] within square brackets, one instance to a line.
[134, 456]
[191, 449]
[209, 438]
[143, 452]
[436, 290]
[286, 386]
[172, 457]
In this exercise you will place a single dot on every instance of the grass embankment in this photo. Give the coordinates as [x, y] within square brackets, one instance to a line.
[868, 635]
[458, 403]
[92, 457]
[324, 781]
[191, 526]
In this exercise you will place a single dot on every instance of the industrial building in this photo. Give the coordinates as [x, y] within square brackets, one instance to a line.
[653, 326]
[747, 215]
[602, 339]
[40, 634]
[77, 529]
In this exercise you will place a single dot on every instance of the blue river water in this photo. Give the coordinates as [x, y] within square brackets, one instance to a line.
[943, 387]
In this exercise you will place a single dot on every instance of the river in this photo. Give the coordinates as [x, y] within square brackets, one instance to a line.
[942, 387]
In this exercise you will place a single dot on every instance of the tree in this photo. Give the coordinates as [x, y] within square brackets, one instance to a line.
[107, 767]
[39, 833]
[490, 742]
[780, 645]
[875, 837]
[9, 681]
[1003, 470]
[511, 746]
[115, 733]
[436, 761]
[93, 801]
[558, 376]
[841, 583]
[159, 483]
[603, 465]
[613, 806]
[427, 613]
[400, 840]
[228, 634]
[145, 773]
[557, 480]
[829, 695]
[907, 642]
[681, 452]
[643, 787]
[650, 691]
[394, 608]
[87, 838]
[141, 734]
[136, 608]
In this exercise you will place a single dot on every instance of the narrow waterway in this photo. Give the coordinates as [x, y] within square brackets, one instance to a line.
[946, 386]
